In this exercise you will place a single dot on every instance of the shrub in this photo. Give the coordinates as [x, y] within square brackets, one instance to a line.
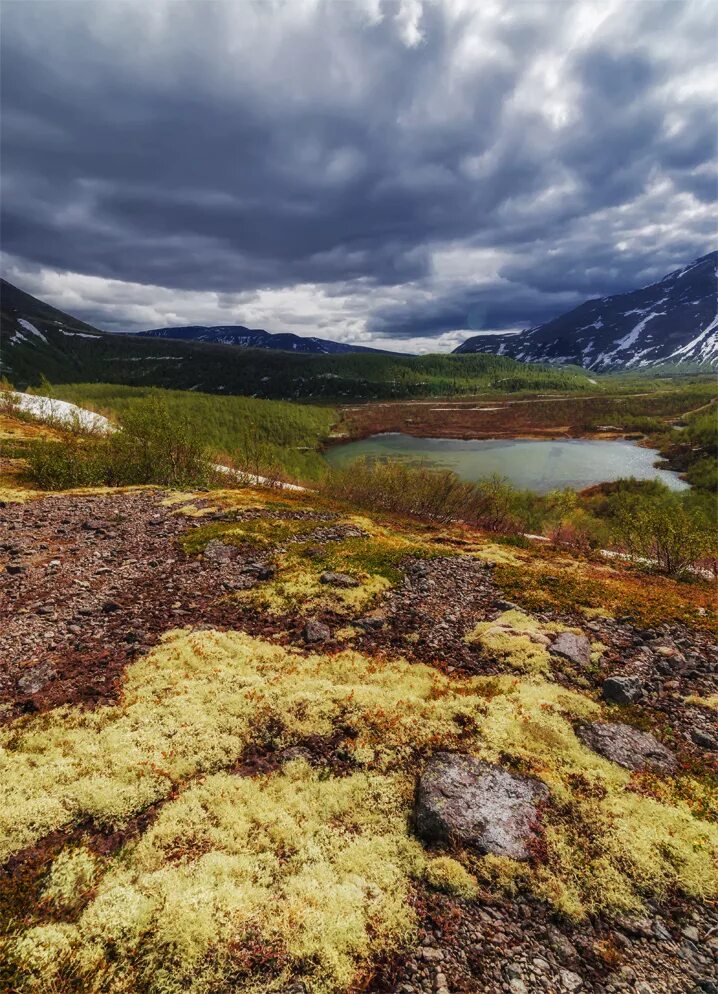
[434, 495]
[667, 531]
[153, 447]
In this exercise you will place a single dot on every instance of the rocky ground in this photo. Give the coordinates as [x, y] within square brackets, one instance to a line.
[89, 582]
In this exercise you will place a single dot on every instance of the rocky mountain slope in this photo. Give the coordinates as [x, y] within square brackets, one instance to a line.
[253, 740]
[257, 338]
[672, 321]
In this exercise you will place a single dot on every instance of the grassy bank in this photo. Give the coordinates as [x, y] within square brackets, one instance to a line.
[261, 436]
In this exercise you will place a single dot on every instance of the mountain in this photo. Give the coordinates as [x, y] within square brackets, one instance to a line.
[37, 340]
[257, 338]
[672, 321]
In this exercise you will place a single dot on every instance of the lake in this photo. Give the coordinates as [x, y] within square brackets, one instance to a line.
[540, 466]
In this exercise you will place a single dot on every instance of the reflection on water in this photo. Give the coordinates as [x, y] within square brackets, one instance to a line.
[533, 465]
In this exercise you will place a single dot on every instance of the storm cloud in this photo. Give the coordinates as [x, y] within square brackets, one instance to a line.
[399, 173]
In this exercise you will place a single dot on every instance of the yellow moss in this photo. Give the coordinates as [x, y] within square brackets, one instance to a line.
[13, 493]
[347, 633]
[517, 639]
[233, 865]
[594, 612]
[71, 877]
[501, 873]
[313, 871]
[448, 875]
[297, 588]
[597, 650]
[44, 953]
[704, 702]
[497, 555]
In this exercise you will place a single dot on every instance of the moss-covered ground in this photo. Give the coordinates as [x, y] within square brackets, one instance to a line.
[306, 871]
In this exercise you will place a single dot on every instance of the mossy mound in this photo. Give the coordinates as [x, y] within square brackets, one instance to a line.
[304, 873]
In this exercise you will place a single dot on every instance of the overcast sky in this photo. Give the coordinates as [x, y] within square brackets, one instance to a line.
[401, 174]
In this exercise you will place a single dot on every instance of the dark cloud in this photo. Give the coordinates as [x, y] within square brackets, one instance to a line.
[360, 148]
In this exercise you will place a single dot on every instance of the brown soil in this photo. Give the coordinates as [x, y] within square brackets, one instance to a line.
[537, 417]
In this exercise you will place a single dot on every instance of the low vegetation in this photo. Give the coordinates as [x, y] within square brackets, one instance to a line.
[673, 532]
[269, 438]
[302, 873]
[153, 446]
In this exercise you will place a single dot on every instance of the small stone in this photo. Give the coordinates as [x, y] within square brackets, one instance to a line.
[110, 606]
[517, 986]
[14, 568]
[373, 619]
[575, 648]
[562, 947]
[542, 965]
[622, 689]
[339, 580]
[315, 631]
[692, 933]
[35, 679]
[626, 746]
[570, 981]
[704, 739]
[643, 988]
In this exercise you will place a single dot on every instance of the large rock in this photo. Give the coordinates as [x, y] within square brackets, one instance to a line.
[626, 746]
[574, 647]
[462, 799]
[622, 689]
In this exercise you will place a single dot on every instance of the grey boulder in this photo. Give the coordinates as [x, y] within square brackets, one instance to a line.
[316, 631]
[622, 689]
[35, 679]
[339, 580]
[574, 647]
[465, 800]
[704, 739]
[626, 746]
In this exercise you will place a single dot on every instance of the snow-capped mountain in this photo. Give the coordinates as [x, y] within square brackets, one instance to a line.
[256, 338]
[674, 321]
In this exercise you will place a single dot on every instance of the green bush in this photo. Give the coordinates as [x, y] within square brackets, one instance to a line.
[269, 437]
[153, 447]
[434, 495]
[668, 531]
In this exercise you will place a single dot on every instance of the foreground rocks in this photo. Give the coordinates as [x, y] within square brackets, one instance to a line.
[573, 647]
[91, 582]
[514, 946]
[464, 800]
[627, 746]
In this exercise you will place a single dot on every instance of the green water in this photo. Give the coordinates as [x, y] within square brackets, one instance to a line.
[540, 466]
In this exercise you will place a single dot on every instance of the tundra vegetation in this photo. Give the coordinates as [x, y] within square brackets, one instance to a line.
[300, 873]
[174, 438]
[310, 871]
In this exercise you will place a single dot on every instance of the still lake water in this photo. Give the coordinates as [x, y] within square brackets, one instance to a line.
[531, 465]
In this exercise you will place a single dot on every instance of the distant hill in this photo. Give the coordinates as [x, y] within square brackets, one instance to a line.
[36, 340]
[672, 321]
[257, 338]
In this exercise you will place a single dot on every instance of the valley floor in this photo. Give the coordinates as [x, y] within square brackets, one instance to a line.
[214, 708]
[551, 416]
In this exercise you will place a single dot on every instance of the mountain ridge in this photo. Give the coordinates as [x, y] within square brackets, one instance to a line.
[257, 338]
[626, 330]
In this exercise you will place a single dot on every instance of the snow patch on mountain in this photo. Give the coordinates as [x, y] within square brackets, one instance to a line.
[676, 323]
